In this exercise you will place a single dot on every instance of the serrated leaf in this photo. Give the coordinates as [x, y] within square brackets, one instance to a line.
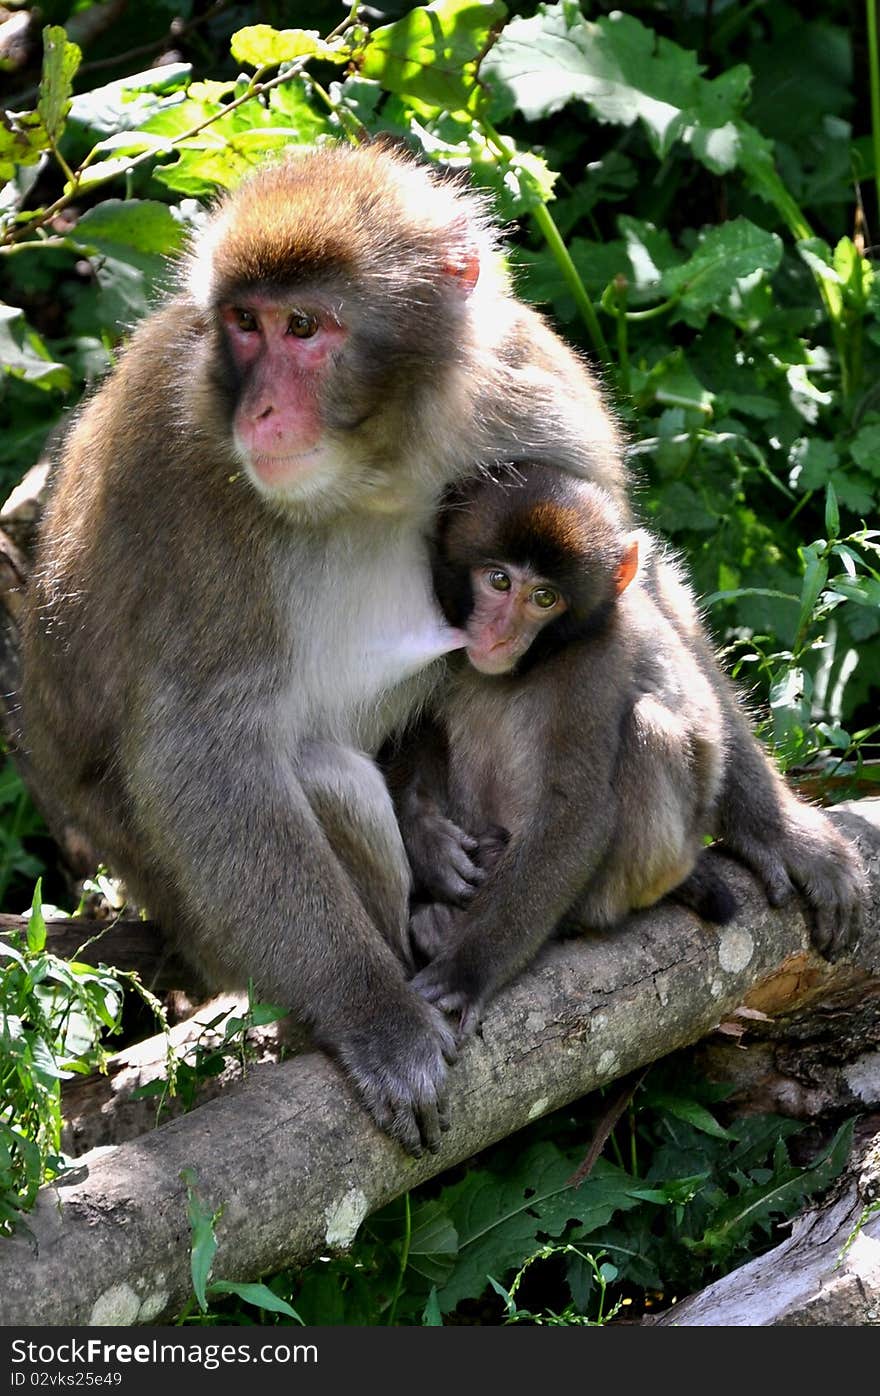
[812, 460]
[431, 53]
[261, 46]
[726, 256]
[60, 62]
[782, 1194]
[865, 448]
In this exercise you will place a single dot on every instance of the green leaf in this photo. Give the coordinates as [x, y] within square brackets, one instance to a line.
[673, 383]
[204, 1242]
[865, 448]
[626, 74]
[36, 926]
[261, 46]
[142, 224]
[432, 1317]
[812, 460]
[259, 1295]
[24, 355]
[60, 62]
[129, 242]
[815, 577]
[726, 256]
[499, 1218]
[689, 1110]
[23, 138]
[783, 1194]
[832, 512]
[431, 52]
[116, 108]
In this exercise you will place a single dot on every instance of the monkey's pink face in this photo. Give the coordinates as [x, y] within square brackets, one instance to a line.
[283, 353]
[511, 605]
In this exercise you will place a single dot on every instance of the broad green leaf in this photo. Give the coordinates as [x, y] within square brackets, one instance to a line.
[23, 138]
[726, 256]
[499, 1219]
[142, 224]
[120, 106]
[261, 46]
[673, 383]
[855, 491]
[60, 62]
[624, 72]
[433, 1246]
[865, 448]
[431, 53]
[259, 1295]
[24, 355]
[812, 461]
[683, 510]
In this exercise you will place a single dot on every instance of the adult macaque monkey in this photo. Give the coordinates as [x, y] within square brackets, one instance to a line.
[232, 606]
[580, 747]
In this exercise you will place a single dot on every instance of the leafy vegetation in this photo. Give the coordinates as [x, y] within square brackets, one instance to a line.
[53, 1014]
[513, 1231]
[689, 199]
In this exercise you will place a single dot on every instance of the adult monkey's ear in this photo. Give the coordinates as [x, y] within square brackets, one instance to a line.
[462, 263]
[628, 565]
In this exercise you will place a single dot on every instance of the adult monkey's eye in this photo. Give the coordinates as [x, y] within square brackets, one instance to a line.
[544, 597]
[302, 324]
[498, 580]
[245, 320]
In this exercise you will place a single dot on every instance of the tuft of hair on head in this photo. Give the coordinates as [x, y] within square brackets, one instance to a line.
[372, 216]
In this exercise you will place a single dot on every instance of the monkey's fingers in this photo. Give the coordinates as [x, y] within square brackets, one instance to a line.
[815, 859]
[768, 866]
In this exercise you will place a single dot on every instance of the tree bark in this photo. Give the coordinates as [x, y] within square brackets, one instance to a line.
[296, 1165]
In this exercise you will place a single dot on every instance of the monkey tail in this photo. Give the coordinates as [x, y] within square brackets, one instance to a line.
[706, 893]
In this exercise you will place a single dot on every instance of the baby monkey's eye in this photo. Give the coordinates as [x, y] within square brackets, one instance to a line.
[498, 580]
[545, 597]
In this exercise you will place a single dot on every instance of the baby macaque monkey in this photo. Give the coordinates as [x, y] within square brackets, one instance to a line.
[576, 761]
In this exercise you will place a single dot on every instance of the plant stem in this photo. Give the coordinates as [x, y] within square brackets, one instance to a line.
[562, 257]
[874, 80]
[404, 1259]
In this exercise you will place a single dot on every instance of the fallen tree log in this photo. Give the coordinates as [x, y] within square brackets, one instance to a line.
[126, 944]
[296, 1166]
